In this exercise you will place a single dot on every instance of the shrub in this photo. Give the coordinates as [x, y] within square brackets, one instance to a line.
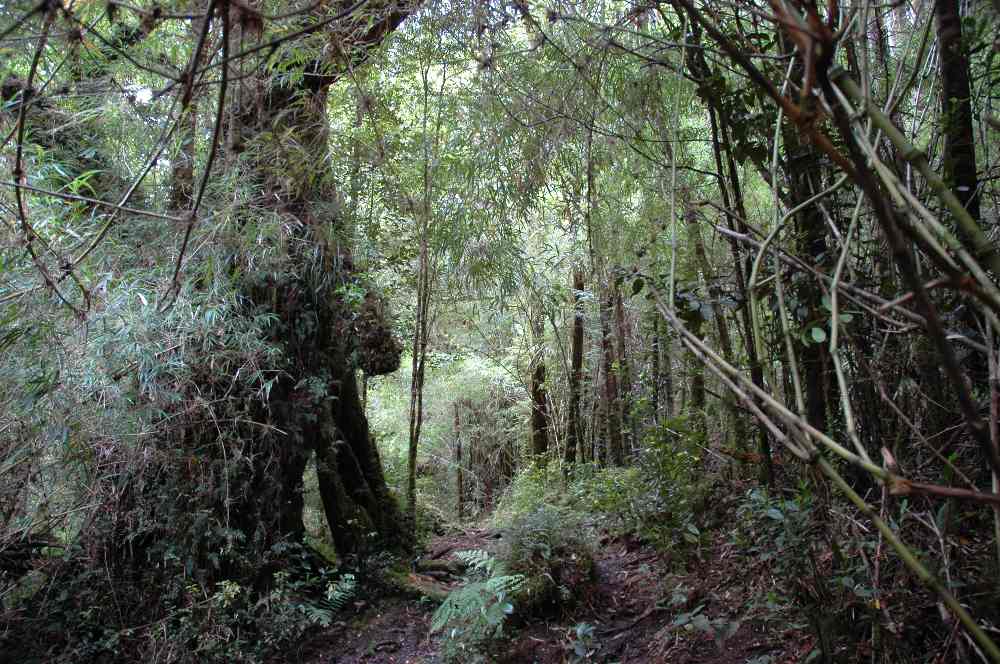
[551, 548]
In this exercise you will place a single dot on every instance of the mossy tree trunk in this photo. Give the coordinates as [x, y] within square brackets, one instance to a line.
[539, 411]
[281, 144]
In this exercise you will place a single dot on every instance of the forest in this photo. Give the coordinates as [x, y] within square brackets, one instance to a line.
[542, 331]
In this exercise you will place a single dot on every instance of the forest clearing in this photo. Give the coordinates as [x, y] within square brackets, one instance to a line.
[423, 331]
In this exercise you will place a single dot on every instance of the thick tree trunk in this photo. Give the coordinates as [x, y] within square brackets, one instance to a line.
[278, 136]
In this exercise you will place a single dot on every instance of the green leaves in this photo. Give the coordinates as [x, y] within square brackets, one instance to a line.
[476, 612]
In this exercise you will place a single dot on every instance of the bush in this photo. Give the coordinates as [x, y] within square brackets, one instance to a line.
[551, 548]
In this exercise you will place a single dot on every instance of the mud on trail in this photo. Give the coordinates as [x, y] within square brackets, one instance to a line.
[635, 612]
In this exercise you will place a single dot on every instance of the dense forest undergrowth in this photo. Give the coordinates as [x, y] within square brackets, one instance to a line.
[425, 331]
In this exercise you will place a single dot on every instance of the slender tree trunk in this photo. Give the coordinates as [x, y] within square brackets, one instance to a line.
[699, 418]
[573, 438]
[667, 369]
[419, 351]
[182, 168]
[733, 201]
[804, 169]
[956, 107]
[722, 326]
[612, 402]
[459, 480]
[656, 368]
[625, 371]
[741, 266]
[539, 411]
[423, 310]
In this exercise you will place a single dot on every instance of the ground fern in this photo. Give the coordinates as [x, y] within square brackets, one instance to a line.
[475, 613]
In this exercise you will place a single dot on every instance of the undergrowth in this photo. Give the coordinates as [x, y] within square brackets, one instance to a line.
[472, 618]
[661, 496]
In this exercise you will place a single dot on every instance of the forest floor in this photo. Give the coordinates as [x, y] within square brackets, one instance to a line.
[631, 609]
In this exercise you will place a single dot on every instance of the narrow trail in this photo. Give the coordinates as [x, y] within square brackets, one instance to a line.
[627, 616]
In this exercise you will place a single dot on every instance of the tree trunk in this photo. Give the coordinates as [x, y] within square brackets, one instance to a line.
[804, 169]
[733, 200]
[539, 411]
[667, 370]
[612, 403]
[625, 371]
[699, 418]
[725, 341]
[419, 358]
[956, 107]
[279, 136]
[656, 370]
[573, 437]
[459, 480]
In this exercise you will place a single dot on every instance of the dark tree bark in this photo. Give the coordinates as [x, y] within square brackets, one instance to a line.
[699, 418]
[654, 353]
[741, 266]
[539, 411]
[573, 438]
[667, 370]
[956, 107]
[805, 171]
[279, 137]
[732, 198]
[722, 325]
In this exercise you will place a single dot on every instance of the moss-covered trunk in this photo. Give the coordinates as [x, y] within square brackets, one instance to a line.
[286, 155]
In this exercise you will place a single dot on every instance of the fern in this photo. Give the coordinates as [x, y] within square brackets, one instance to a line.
[477, 610]
[477, 560]
[338, 594]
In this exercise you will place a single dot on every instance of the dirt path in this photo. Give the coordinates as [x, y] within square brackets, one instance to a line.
[627, 616]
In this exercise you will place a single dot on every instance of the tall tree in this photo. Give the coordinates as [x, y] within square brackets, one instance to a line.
[956, 107]
[574, 438]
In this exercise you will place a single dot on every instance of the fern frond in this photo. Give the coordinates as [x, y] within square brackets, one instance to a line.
[338, 594]
[477, 560]
[478, 609]
[341, 591]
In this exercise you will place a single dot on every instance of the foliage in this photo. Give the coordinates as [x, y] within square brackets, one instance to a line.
[224, 622]
[472, 617]
[806, 285]
[719, 629]
[491, 408]
[660, 497]
[551, 547]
